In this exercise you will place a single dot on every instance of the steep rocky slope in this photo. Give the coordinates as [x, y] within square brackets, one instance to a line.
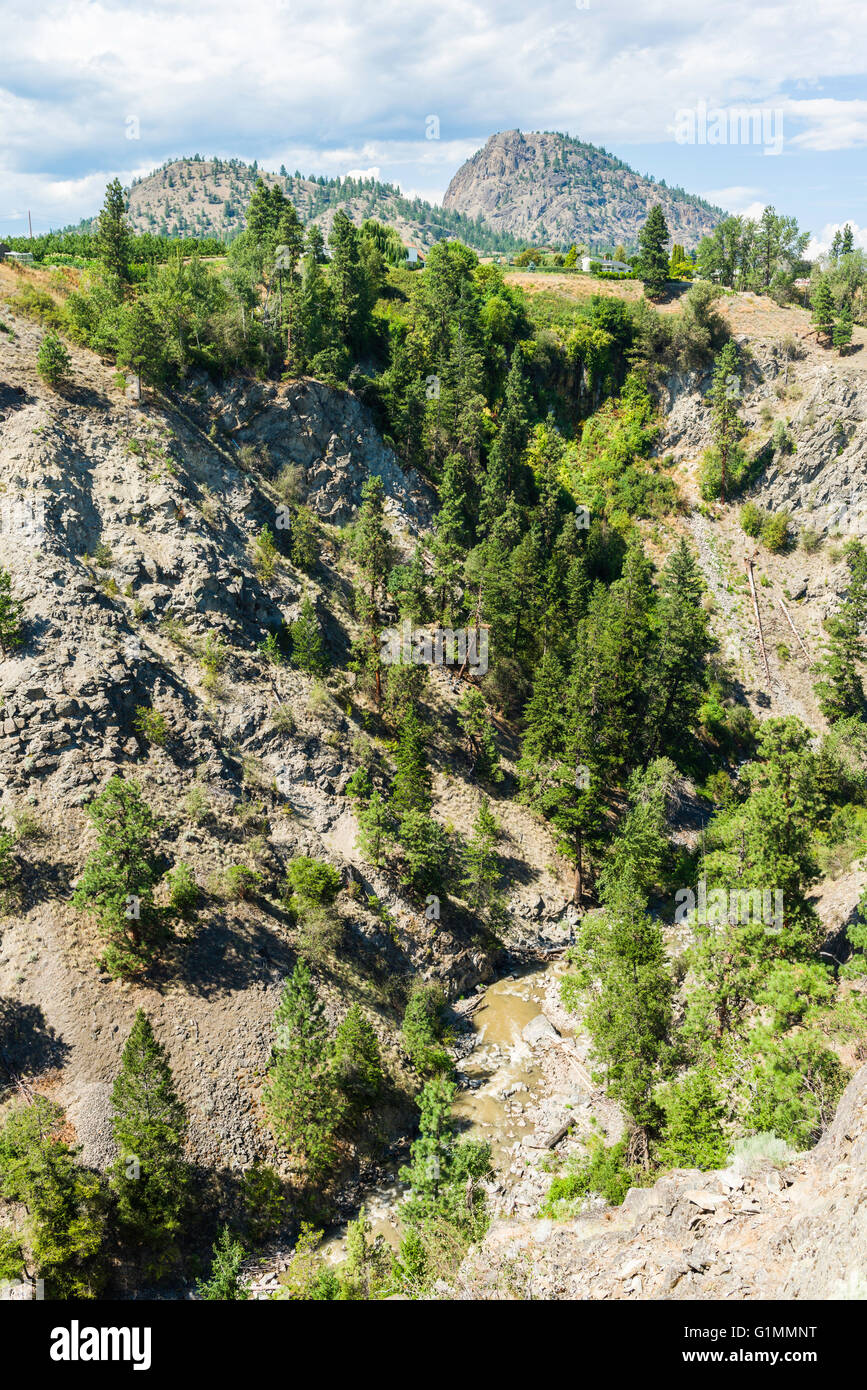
[128, 530]
[551, 187]
[761, 1231]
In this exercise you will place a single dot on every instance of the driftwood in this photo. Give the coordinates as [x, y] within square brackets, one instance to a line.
[794, 630]
[749, 565]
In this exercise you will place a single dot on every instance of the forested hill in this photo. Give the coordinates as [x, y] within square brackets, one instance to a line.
[548, 186]
[209, 197]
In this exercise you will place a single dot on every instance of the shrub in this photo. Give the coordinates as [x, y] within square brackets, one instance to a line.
[11, 633]
[196, 805]
[752, 519]
[809, 539]
[751, 1153]
[265, 554]
[313, 881]
[150, 725]
[357, 1063]
[604, 1173]
[238, 882]
[53, 362]
[775, 532]
[263, 1198]
[183, 889]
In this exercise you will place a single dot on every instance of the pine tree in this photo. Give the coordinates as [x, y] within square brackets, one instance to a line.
[225, 1281]
[474, 717]
[446, 1209]
[308, 651]
[114, 240]
[683, 643]
[727, 428]
[840, 691]
[695, 1135]
[371, 549]
[300, 1096]
[357, 1061]
[823, 310]
[411, 784]
[11, 631]
[53, 362]
[842, 332]
[376, 830]
[150, 1177]
[481, 866]
[118, 880]
[65, 1204]
[653, 257]
[505, 459]
[141, 343]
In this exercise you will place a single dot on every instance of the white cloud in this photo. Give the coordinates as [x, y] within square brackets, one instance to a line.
[316, 85]
[820, 245]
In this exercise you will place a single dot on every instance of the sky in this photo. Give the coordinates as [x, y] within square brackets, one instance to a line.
[94, 89]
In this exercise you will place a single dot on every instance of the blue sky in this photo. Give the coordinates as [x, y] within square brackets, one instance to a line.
[332, 87]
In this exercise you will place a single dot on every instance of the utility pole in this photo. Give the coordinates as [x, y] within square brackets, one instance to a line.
[30, 224]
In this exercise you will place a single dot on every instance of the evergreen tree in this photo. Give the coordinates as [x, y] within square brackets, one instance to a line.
[481, 867]
[64, 1203]
[150, 1177]
[411, 784]
[652, 254]
[114, 239]
[842, 331]
[371, 550]
[357, 1061]
[141, 344]
[376, 830]
[695, 1135]
[53, 362]
[11, 631]
[823, 310]
[475, 720]
[225, 1281]
[300, 1096]
[118, 880]
[446, 1210]
[683, 643]
[727, 428]
[308, 651]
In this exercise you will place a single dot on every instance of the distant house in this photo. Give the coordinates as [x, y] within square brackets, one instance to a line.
[619, 267]
[20, 257]
[414, 256]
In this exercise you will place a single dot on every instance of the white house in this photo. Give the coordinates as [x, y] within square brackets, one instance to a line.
[619, 266]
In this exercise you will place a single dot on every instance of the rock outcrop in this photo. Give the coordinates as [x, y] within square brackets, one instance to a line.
[765, 1232]
[549, 186]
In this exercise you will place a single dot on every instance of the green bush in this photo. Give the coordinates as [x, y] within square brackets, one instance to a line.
[53, 362]
[313, 880]
[183, 889]
[775, 532]
[604, 1173]
[151, 726]
[752, 518]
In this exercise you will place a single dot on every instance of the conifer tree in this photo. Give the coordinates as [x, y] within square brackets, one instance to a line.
[823, 310]
[114, 240]
[727, 428]
[11, 632]
[653, 257]
[118, 880]
[683, 643]
[150, 1178]
[308, 651]
[411, 784]
[357, 1061]
[64, 1202]
[225, 1281]
[300, 1095]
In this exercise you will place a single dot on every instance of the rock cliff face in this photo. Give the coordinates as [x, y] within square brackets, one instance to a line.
[129, 533]
[792, 1232]
[545, 186]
